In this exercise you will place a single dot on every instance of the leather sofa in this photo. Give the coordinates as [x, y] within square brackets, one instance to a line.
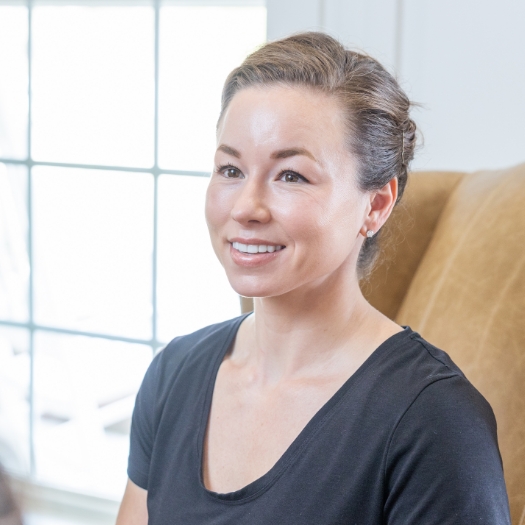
[453, 269]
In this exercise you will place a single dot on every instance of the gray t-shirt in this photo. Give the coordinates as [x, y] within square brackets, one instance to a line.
[407, 440]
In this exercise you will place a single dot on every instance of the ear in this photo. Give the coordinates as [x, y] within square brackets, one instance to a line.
[380, 207]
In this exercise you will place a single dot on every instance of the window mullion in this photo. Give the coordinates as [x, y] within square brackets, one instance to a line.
[155, 180]
[30, 248]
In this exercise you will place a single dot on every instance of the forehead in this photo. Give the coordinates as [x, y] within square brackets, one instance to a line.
[272, 114]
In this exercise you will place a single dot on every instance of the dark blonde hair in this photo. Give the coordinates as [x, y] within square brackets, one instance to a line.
[380, 131]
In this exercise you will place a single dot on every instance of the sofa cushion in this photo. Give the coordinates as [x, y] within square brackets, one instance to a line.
[468, 298]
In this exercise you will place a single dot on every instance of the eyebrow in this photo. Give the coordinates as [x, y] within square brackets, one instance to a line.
[292, 152]
[230, 151]
[281, 154]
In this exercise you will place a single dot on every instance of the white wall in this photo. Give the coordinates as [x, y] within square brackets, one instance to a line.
[463, 60]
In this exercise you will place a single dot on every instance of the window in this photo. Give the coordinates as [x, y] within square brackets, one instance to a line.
[104, 254]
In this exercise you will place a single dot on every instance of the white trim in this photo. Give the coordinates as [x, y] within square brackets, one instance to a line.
[398, 46]
[130, 3]
[237, 3]
[93, 3]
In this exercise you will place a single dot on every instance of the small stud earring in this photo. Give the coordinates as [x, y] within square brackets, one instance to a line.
[370, 233]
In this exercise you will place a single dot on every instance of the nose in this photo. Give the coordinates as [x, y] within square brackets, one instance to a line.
[251, 203]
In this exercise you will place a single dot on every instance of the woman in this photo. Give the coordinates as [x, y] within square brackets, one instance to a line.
[315, 409]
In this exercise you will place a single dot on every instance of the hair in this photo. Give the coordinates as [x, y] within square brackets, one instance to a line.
[380, 131]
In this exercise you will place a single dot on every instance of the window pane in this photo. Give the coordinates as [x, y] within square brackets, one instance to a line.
[14, 399]
[199, 46]
[13, 83]
[92, 245]
[192, 287]
[93, 85]
[85, 391]
[14, 263]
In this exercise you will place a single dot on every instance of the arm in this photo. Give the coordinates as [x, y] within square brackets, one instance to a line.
[133, 509]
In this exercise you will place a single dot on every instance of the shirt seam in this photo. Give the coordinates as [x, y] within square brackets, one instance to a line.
[418, 339]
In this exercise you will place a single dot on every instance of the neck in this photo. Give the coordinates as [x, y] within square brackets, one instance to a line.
[308, 328]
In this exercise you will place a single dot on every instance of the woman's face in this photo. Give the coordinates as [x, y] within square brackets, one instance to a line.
[283, 207]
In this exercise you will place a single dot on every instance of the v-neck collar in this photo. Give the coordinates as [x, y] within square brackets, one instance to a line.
[314, 425]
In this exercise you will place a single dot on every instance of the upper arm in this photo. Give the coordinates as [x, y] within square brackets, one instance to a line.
[443, 463]
[133, 509]
[143, 428]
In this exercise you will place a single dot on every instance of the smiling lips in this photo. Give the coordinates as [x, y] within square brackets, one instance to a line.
[256, 248]
[254, 255]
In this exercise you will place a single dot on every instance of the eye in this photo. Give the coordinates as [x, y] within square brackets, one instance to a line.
[291, 176]
[229, 171]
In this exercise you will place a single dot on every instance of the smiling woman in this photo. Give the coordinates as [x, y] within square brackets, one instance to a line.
[316, 408]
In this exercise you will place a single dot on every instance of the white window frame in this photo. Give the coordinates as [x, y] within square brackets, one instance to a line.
[35, 491]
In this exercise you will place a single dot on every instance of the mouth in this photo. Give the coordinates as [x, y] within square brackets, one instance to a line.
[256, 248]
[251, 256]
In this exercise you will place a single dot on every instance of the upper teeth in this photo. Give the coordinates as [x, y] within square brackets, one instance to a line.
[256, 248]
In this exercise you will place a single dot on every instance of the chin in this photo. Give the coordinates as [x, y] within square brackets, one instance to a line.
[252, 286]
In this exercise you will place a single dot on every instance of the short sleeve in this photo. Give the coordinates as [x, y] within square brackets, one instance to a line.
[443, 465]
[143, 427]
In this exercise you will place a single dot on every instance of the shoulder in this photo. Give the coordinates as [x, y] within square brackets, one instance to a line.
[448, 411]
[174, 378]
[410, 382]
[424, 357]
[426, 396]
[407, 364]
[433, 382]
[442, 457]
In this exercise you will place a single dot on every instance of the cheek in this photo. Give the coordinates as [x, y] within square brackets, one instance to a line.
[336, 238]
[308, 231]
[326, 223]
[216, 208]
